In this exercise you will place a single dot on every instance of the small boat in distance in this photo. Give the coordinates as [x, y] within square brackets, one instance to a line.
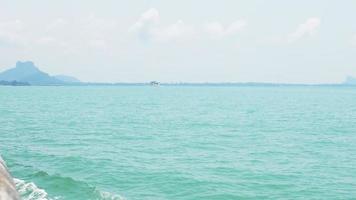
[154, 83]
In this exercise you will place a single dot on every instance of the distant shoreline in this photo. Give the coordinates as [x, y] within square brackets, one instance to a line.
[14, 83]
[27, 73]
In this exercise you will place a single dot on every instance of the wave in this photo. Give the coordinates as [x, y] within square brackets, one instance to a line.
[56, 186]
[109, 196]
[30, 191]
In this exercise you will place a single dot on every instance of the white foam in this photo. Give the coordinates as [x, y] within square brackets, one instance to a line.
[109, 196]
[29, 191]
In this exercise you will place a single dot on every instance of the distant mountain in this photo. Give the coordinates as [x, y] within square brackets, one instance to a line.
[21, 71]
[350, 81]
[29, 73]
[67, 79]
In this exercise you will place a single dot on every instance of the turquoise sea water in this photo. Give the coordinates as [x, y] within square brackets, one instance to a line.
[180, 142]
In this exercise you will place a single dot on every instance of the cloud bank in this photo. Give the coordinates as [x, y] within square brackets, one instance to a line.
[217, 30]
[308, 28]
[149, 28]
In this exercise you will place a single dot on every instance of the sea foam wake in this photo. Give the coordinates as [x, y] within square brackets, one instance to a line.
[30, 191]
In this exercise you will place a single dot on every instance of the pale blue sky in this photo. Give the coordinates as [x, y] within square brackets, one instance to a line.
[187, 40]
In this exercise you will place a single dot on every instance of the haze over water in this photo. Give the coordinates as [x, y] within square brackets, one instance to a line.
[180, 142]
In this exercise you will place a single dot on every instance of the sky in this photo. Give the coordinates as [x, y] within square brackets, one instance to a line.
[280, 41]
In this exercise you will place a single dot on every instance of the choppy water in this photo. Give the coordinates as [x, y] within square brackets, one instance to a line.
[180, 142]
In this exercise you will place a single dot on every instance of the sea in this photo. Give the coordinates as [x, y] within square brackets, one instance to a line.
[180, 142]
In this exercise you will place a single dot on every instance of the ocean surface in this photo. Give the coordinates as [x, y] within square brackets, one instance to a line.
[184, 143]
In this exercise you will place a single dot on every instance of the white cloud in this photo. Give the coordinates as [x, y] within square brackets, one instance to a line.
[151, 16]
[308, 28]
[176, 31]
[148, 28]
[146, 24]
[217, 30]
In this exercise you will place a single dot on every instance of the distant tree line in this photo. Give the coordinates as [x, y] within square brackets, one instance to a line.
[14, 83]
